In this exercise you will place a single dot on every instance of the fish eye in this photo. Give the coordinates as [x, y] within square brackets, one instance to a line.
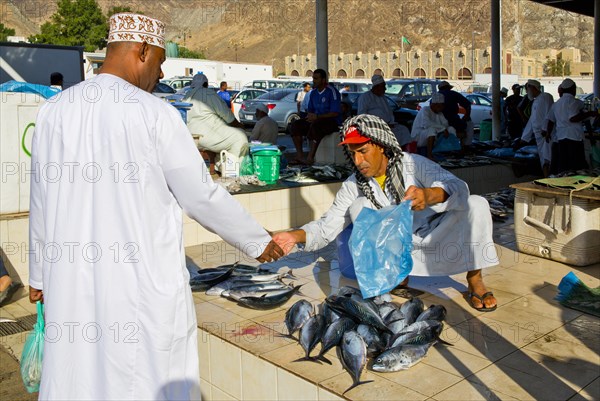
[378, 360]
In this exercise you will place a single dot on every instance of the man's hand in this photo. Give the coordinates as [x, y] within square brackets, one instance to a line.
[311, 117]
[272, 252]
[446, 133]
[423, 197]
[35, 295]
[286, 240]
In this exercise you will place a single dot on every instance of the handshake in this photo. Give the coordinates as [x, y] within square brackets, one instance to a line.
[281, 244]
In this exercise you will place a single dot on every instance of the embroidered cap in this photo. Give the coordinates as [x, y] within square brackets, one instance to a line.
[130, 27]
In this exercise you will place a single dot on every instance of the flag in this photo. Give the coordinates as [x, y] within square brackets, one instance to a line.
[405, 40]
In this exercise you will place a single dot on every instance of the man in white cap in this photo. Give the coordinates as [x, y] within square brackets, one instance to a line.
[537, 123]
[266, 129]
[429, 123]
[120, 318]
[567, 115]
[214, 122]
[375, 103]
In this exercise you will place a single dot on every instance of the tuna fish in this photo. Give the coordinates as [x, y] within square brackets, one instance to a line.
[435, 312]
[359, 312]
[400, 358]
[412, 309]
[297, 315]
[353, 355]
[310, 335]
[333, 335]
[374, 342]
[269, 300]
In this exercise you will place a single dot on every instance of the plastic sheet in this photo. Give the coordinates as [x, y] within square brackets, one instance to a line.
[381, 245]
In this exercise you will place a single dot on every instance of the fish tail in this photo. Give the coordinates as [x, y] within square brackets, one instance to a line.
[322, 358]
[358, 383]
[280, 335]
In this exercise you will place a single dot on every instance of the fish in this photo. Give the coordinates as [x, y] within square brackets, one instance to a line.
[369, 303]
[400, 358]
[259, 286]
[236, 295]
[297, 315]
[310, 335]
[353, 352]
[382, 299]
[419, 333]
[359, 312]
[267, 276]
[386, 308]
[434, 312]
[397, 325]
[347, 291]
[269, 300]
[394, 315]
[374, 342]
[412, 309]
[330, 315]
[218, 289]
[207, 278]
[333, 335]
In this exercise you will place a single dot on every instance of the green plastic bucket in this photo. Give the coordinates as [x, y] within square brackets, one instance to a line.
[485, 130]
[266, 165]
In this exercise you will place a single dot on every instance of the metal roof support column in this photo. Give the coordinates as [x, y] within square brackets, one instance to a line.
[597, 48]
[496, 68]
[322, 38]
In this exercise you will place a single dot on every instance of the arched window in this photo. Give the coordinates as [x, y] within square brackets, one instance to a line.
[359, 73]
[295, 73]
[342, 74]
[419, 73]
[441, 73]
[397, 73]
[378, 72]
[464, 73]
[487, 70]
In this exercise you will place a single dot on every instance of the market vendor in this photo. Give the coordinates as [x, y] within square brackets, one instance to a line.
[452, 230]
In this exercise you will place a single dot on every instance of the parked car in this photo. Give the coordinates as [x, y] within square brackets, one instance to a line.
[281, 104]
[354, 86]
[244, 94]
[409, 93]
[481, 108]
[162, 90]
[177, 82]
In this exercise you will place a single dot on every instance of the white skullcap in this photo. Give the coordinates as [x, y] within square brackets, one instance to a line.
[535, 83]
[130, 27]
[437, 98]
[377, 80]
[567, 84]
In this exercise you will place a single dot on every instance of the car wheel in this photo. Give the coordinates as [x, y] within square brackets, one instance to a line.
[293, 117]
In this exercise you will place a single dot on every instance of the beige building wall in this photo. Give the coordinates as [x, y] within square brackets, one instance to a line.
[454, 63]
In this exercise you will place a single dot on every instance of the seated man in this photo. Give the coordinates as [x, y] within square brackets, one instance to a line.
[429, 123]
[266, 129]
[375, 103]
[446, 217]
[210, 118]
[452, 100]
[324, 109]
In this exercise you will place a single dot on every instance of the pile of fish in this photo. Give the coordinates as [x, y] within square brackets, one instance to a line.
[396, 336]
[316, 173]
[249, 286]
[501, 203]
[467, 161]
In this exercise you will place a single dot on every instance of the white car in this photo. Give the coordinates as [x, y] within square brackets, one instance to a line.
[481, 108]
[245, 94]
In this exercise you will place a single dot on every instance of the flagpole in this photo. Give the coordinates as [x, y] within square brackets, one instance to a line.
[402, 44]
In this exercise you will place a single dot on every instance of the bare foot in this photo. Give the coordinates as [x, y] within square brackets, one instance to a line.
[5, 282]
[476, 286]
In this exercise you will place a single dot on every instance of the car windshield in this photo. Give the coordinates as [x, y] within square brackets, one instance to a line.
[394, 88]
[274, 95]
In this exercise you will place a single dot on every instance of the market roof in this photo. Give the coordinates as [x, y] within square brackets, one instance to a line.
[584, 7]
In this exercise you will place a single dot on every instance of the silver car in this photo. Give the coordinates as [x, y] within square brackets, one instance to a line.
[281, 104]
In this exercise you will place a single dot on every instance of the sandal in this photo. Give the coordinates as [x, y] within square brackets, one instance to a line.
[472, 295]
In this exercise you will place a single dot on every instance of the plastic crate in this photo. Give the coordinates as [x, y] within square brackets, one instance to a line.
[541, 217]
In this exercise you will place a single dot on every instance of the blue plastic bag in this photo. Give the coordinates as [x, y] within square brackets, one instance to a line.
[381, 245]
[33, 352]
[443, 144]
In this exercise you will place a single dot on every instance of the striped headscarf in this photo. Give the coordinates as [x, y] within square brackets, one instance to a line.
[380, 133]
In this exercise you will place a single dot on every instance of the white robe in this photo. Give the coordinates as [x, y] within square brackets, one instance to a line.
[448, 238]
[536, 124]
[113, 168]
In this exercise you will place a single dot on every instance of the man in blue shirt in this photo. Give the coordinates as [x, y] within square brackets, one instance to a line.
[223, 94]
[452, 100]
[324, 117]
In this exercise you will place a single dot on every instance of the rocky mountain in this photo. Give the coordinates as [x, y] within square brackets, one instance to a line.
[265, 31]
